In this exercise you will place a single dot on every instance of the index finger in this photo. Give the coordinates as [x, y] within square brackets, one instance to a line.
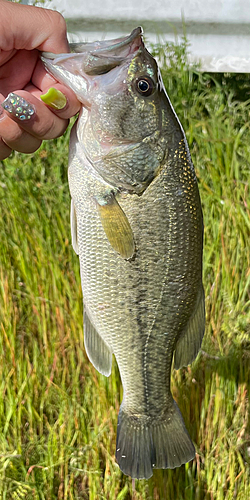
[28, 27]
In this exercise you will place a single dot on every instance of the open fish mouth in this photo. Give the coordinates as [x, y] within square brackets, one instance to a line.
[115, 46]
[97, 58]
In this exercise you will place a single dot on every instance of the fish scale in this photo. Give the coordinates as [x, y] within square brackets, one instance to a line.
[132, 285]
[137, 227]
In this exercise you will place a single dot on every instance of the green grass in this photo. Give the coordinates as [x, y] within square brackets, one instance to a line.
[58, 416]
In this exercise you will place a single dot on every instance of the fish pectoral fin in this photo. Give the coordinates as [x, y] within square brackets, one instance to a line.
[116, 226]
[97, 350]
[189, 343]
[73, 223]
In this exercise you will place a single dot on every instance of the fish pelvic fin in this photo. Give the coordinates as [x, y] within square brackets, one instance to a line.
[97, 350]
[144, 444]
[116, 226]
[189, 343]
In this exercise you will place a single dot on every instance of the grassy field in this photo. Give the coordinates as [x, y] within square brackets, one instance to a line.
[58, 416]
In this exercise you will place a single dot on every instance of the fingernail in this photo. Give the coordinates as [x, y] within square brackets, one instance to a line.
[18, 107]
[54, 98]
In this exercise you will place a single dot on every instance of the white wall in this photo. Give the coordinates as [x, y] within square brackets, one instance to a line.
[218, 30]
[195, 10]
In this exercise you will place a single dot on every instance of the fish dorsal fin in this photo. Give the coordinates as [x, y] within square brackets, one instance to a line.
[190, 340]
[116, 226]
[97, 350]
[73, 223]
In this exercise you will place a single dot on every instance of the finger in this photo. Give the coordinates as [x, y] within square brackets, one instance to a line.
[16, 72]
[42, 80]
[33, 116]
[5, 151]
[14, 137]
[28, 27]
[53, 101]
[59, 99]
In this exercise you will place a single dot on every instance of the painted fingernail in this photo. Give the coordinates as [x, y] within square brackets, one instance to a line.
[18, 107]
[54, 98]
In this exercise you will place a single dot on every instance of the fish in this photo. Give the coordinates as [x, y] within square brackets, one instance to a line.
[137, 226]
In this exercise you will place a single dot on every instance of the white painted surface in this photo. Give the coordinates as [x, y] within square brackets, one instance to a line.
[218, 30]
[193, 10]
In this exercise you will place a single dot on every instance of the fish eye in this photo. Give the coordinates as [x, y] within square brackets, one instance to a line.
[145, 86]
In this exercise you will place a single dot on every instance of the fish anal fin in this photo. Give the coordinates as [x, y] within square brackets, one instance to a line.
[97, 350]
[189, 343]
[73, 223]
[116, 226]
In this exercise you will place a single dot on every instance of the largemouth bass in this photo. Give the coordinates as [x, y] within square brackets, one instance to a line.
[136, 223]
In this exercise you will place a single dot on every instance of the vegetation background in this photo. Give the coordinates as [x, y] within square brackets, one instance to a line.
[58, 416]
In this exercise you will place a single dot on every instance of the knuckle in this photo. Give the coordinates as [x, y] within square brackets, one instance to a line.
[61, 23]
[16, 135]
[53, 129]
[58, 20]
[45, 130]
[5, 151]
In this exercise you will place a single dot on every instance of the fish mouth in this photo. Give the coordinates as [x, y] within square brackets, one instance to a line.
[77, 69]
[118, 47]
[100, 57]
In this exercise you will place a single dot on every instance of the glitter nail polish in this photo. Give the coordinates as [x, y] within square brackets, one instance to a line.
[18, 107]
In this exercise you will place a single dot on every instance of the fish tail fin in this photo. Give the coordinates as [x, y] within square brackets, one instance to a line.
[144, 444]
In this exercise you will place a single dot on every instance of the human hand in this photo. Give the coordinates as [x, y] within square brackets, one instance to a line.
[24, 31]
